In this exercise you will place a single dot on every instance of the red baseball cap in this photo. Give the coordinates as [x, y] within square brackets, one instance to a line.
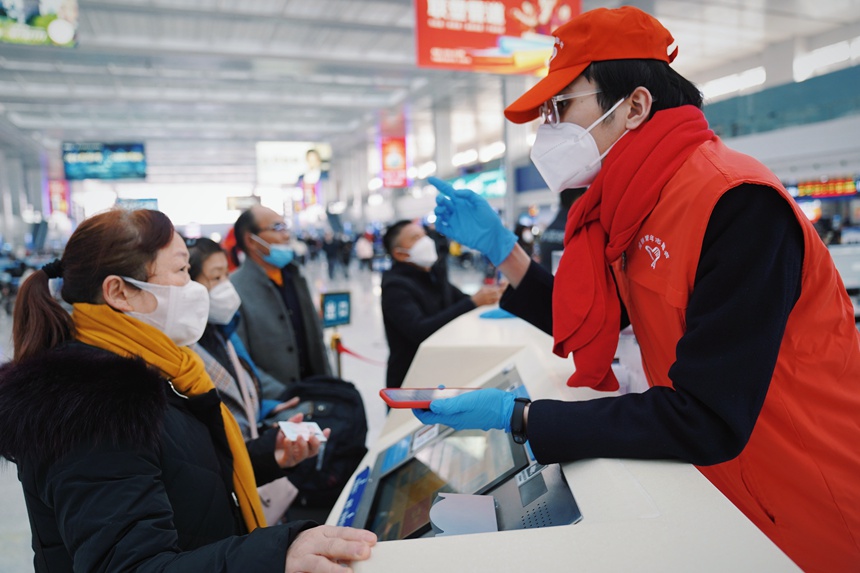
[625, 33]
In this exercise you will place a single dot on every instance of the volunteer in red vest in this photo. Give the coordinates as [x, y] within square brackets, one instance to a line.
[747, 334]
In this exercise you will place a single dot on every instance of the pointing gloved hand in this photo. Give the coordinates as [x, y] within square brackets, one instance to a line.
[467, 218]
[484, 409]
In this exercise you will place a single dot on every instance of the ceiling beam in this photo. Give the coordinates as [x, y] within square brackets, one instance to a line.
[83, 94]
[233, 16]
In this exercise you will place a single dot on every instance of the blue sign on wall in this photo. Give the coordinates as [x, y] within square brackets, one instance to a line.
[104, 161]
[528, 178]
[335, 309]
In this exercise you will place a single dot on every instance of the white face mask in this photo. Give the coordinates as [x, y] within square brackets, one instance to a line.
[423, 252]
[223, 303]
[566, 154]
[182, 311]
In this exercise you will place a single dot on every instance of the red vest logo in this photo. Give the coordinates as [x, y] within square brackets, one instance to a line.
[655, 247]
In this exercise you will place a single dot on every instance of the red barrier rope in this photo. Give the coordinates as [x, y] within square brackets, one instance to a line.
[341, 349]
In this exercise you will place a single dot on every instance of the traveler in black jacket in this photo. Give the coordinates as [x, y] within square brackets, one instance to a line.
[417, 300]
[127, 457]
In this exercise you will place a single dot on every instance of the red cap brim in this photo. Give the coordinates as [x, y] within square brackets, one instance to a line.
[527, 106]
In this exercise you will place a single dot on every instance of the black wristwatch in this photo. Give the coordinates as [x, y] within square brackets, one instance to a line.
[518, 423]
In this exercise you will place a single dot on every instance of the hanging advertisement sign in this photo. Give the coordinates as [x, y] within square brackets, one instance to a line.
[840, 187]
[300, 164]
[135, 204]
[59, 196]
[492, 36]
[95, 160]
[42, 23]
[394, 162]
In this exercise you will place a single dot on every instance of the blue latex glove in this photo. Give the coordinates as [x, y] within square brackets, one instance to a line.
[467, 218]
[497, 313]
[484, 409]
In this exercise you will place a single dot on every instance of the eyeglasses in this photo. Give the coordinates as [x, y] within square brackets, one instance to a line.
[276, 227]
[550, 109]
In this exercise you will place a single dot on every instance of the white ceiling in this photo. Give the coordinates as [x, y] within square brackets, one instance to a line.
[201, 80]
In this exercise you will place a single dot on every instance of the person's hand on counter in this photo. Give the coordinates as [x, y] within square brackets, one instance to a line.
[466, 217]
[484, 409]
[327, 548]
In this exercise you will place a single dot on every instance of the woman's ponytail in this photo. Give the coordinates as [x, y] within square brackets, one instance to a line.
[39, 322]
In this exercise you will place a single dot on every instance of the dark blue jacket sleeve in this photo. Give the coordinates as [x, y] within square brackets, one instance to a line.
[532, 299]
[746, 284]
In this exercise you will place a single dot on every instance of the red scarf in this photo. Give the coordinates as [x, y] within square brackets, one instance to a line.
[601, 225]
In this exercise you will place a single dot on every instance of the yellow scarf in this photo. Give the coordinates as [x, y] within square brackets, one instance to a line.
[100, 325]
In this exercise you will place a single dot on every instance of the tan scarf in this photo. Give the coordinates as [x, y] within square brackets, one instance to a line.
[100, 325]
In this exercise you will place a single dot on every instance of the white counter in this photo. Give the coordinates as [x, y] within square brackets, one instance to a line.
[637, 515]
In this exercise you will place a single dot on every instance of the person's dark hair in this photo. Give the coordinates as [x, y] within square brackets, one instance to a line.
[246, 223]
[199, 251]
[116, 242]
[618, 78]
[392, 233]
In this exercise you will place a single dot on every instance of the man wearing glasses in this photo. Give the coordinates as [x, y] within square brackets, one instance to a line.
[279, 325]
[746, 331]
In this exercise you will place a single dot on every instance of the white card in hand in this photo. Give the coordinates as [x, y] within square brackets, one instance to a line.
[292, 430]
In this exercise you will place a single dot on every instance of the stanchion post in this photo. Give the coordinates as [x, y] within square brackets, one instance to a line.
[335, 345]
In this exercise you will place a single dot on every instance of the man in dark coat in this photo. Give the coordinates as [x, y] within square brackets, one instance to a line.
[417, 300]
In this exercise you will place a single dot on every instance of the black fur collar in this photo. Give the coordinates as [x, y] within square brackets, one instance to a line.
[78, 395]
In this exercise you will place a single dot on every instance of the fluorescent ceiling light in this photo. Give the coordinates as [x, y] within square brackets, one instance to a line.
[464, 157]
[425, 170]
[734, 83]
[806, 65]
[336, 207]
[854, 48]
[491, 151]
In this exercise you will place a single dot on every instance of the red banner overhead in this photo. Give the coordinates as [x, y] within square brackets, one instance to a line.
[494, 36]
[394, 162]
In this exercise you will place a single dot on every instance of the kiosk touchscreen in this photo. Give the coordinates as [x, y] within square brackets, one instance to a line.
[395, 498]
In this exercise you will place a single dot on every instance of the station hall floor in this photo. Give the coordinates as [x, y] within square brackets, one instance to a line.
[364, 336]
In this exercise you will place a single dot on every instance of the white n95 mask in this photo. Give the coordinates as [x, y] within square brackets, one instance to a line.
[182, 311]
[423, 252]
[224, 301]
[566, 154]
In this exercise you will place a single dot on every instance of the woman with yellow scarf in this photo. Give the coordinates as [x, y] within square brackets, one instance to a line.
[127, 457]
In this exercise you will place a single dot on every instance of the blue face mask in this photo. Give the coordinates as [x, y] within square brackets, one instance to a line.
[279, 255]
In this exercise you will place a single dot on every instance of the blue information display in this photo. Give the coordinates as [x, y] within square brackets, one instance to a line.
[336, 309]
[104, 161]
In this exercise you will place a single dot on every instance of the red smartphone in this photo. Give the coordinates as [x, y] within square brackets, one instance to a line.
[418, 397]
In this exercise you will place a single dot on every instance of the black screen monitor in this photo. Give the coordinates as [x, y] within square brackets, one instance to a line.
[465, 461]
[393, 499]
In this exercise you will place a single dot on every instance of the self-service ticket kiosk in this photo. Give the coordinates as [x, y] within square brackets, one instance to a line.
[396, 496]
[638, 515]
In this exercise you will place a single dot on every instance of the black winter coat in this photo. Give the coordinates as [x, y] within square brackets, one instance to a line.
[120, 473]
[415, 304]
